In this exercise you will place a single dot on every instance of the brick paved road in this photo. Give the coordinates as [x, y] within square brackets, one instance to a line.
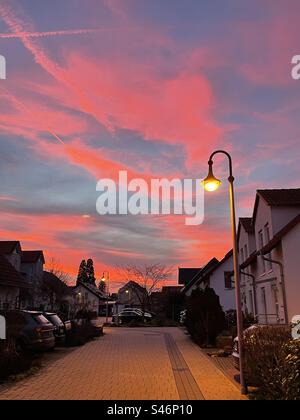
[130, 364]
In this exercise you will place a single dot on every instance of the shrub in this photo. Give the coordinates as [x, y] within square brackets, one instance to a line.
[272, 362]
[291, 371]
[204, 319]
[80, 334]
[13, 363]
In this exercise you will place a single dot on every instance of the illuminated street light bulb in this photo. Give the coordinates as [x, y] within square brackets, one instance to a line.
[211, 183]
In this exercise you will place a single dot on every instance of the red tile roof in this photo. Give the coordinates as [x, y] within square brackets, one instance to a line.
[32, 256]
[290, 197]
[7, 247]
[9, 276]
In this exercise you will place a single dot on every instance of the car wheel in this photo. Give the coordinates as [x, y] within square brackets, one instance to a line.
[21, 347]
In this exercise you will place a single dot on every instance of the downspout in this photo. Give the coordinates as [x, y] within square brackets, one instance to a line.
[254, 289]
[282, 283]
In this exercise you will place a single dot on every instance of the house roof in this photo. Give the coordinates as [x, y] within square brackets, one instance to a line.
[10, 277]
[278, 198]
[185, 275]
[277, 238]
[133, 285]
[32, 256]
[7, 247]
[92, 289]
[50, 280]
[247, 223]
[199, 277]
[290, 197]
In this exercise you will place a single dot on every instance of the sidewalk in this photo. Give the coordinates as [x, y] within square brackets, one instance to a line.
[130, 364]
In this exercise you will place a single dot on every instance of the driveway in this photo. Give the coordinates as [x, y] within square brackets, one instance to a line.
[129, 364]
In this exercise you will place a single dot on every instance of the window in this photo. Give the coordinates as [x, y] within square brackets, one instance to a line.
[267, 238]
[246, 252]
[229, 284]
[242, 255]
[275, 301]
[264, 304]
[261, 245]
[251, 303]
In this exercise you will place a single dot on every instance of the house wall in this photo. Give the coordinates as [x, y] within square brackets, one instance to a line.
[290, 253]
[247, 241]
[217, 282]
[269, 291]
[134, 297]
[282, 215]
[9, 297]
[33, 271]
[15, 259]
[86, 300]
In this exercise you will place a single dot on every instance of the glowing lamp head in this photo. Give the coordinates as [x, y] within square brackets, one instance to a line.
[126, 291]
[103, 278]
[211, 183]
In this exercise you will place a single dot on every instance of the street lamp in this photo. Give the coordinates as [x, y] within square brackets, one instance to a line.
[211, 183]
[104, 279]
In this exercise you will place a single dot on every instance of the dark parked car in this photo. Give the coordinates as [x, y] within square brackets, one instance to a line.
[59, 327]
[30, 330]
[128, 315]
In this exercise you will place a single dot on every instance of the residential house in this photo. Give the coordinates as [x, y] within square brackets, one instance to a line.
[12, 251]
[32, 266]
[248, 265]
[89, 298]
[197, 280]
[273, 266]
[134, 295]
[56, 296]
[11, 285]
[220, 278]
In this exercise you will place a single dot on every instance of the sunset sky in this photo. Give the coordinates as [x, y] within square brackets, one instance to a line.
[148, 86]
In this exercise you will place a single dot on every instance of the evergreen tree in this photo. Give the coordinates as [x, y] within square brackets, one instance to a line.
[102, 286]
[90, 272]
[82, 273]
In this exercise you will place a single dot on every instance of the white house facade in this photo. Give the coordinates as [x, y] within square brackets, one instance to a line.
[270, 283]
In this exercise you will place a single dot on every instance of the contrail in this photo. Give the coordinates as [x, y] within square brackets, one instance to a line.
[53, 33]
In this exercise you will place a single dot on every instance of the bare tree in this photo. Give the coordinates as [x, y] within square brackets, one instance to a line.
[55, 267]
[149, 276]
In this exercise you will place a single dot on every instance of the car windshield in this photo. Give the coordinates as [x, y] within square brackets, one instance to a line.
[40, 319]
[55, 319]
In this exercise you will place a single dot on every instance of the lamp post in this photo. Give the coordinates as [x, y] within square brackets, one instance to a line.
[211, 183]
[104, 279]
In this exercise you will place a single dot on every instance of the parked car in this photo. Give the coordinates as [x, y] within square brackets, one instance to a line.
[131, 314]
[30, 330]
[97, 327]
[147, 315]
[59, 327]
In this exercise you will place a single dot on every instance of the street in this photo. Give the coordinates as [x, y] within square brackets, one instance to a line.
[129, 364]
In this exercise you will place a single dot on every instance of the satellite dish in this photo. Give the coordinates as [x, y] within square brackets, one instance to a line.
[296, 327]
